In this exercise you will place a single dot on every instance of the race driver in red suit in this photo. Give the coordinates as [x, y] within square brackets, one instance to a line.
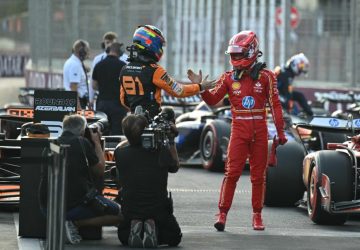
[250, 88]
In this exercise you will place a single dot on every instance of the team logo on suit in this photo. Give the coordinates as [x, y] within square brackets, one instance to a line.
[235, 85]
[248, 102]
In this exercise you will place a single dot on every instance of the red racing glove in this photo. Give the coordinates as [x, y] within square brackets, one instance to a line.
[282, 138]
[272, 162]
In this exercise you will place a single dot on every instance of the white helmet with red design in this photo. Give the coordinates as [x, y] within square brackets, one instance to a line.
[298, 64]
[243, 49]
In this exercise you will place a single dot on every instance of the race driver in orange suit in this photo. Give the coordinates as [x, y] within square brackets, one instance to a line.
[250, 88]
[143, 79]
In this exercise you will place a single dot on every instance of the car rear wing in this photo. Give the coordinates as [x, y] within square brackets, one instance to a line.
[332, 125]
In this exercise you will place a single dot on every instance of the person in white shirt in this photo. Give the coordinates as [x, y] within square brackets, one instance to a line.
[75, 75]
[108, 38]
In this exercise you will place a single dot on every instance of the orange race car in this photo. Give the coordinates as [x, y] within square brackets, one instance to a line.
[14, 121]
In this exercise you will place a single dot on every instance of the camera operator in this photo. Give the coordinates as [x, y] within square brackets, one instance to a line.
[85, 165]
[143, 174]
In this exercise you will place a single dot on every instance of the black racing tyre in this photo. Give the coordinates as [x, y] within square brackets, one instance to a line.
[213, 144]
[337, 166]
[326, 137]
[284, 184]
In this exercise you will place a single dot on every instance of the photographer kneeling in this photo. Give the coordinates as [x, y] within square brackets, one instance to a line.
[85, 166]
[143, 175]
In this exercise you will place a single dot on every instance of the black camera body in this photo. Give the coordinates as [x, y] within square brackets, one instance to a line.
[156, 135]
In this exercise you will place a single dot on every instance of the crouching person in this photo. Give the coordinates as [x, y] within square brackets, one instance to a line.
[145, 202]
[85, 165]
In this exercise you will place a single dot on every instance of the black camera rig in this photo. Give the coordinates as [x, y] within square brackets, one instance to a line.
[159, 130]
[156, 134]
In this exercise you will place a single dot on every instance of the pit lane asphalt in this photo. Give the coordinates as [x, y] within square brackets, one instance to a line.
[195, 193]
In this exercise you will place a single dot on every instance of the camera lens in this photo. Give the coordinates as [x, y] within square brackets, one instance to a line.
[100, 125]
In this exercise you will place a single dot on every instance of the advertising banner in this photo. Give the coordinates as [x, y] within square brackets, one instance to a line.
[50, 107]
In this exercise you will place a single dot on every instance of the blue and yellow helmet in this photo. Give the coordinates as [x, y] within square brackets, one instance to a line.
[149, 40]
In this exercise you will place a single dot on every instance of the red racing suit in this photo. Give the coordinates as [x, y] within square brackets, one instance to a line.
[249, 134]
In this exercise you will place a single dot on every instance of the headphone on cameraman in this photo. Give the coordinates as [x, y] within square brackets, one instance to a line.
[82, 50]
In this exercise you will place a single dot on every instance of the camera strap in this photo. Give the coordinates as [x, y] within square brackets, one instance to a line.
[87, 163]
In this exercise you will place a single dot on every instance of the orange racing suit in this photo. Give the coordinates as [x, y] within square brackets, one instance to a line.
[249, 134]
[141, 84]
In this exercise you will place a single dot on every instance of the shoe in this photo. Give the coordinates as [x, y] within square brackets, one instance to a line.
[135, 234]
[220, 222]
[257, 222]
[150, 237]
[72, 233]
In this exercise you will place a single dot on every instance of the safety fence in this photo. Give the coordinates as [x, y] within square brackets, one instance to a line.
[12, 65]
[198, 31]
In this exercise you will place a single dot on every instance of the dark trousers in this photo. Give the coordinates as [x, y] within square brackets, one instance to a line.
[115, 113]
[167, 228]
[83, 102]
[300, 98]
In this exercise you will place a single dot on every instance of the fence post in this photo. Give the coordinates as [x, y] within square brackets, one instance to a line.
[56, 197]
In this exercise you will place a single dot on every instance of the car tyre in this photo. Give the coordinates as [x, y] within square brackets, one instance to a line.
[329, 163]
[213, 145]
[284, 185]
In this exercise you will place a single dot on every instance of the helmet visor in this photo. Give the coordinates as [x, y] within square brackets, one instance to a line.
[238, 56]
[236, 49]
[303, 67]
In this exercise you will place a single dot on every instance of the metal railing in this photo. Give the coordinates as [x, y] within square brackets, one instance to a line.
[56, 197]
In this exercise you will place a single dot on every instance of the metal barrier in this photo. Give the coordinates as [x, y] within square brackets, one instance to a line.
[56, 197]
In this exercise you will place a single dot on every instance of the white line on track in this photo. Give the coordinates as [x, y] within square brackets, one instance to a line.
[272, 231]
[186, 190]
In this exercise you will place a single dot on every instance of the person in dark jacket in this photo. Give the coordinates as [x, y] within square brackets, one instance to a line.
[106, 80]
[143, 175]
[295, 66]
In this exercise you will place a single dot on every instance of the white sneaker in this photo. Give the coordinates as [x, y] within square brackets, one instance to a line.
[136, 229]
[72, 233]
[150, 237]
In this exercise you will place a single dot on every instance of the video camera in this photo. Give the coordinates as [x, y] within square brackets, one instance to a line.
[156, 135]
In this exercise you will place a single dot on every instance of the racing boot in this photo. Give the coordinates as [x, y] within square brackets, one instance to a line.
[257, 222]
[220, 221]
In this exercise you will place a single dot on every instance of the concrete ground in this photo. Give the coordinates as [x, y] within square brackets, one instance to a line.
[195, 193]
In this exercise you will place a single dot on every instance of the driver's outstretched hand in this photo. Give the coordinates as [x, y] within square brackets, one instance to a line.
[193, 77]
[207, 84]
